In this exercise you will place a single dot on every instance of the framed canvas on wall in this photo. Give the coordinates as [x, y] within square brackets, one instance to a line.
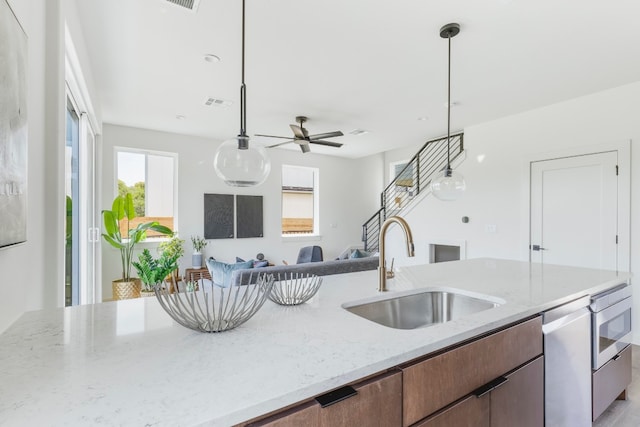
[13, 129]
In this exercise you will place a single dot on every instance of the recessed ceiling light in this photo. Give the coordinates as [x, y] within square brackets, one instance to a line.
[180, 117]
[359, 132]
[423, 118]
[210, 57]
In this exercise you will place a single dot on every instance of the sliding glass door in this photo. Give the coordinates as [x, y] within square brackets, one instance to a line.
[82, 237]
[72, 195]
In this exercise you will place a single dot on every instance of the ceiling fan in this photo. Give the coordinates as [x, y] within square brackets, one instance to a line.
[303, 139]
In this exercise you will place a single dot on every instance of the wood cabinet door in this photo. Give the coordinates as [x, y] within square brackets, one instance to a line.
[469, 412]
[438, 381]
[520, 401]
[307, 415]
[378, 403]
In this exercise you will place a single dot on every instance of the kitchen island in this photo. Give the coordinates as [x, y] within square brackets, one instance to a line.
[128, 363]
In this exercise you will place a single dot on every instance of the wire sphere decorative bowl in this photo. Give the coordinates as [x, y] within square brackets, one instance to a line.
[294, 288]
[212, 308]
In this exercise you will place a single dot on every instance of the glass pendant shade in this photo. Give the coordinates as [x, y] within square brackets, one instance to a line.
[448, 186]
[240, 163]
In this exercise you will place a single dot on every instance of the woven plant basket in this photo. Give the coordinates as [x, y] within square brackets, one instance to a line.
[125, 290]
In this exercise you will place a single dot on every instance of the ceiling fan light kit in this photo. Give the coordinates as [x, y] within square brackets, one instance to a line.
[303, 139]
[449, 185]
[238, 162]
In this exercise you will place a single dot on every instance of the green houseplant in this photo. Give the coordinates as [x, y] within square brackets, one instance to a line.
[153, 271]
[122, 213]
[173, 247]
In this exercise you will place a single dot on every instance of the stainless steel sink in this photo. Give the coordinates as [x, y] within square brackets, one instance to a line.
[421, 308]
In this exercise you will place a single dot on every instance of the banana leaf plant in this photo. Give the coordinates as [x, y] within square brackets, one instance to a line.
[122, 210]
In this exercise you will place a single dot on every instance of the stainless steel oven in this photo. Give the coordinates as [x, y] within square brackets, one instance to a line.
[610, 324]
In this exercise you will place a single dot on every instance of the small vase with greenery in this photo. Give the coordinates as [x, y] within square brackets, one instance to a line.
[122, 213]
[153, 271]
[198, 245]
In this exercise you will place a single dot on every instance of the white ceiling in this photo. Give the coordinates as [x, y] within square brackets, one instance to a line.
[357, 64]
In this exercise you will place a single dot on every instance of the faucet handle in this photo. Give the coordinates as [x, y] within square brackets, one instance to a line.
[390, 273]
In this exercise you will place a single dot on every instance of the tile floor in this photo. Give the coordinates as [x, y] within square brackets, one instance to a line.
[625, 413]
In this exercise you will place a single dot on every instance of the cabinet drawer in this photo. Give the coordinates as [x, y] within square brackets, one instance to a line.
[442, 379]
[303, 415]
[610, 380]
[520, 401]
[469, 412]
[378, 402]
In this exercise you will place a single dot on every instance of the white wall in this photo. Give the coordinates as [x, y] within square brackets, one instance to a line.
[497, 186]
[34, 271]
[348, 196]
[22, 282]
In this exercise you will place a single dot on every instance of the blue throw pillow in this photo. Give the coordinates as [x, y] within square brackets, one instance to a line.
[258, 264]
[221, 272]
[359, 254]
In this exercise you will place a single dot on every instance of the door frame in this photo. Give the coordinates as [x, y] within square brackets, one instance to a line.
[77, 90]
[623, 149]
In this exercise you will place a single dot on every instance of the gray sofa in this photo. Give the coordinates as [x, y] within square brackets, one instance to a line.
[323, 268]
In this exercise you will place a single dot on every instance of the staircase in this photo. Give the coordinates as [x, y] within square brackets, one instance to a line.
[412, 181]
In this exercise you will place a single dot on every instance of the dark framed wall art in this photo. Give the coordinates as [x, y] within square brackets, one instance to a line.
[218, 216]
[13, 129]
[249, 216]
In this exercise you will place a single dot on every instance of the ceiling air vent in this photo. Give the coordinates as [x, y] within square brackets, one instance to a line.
[187, 4]
[215, 102]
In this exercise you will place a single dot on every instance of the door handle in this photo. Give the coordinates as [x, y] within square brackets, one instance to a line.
[336, 396]
[537, 248]
[490, 386]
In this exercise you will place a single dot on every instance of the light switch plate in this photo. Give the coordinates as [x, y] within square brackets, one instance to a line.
[490, 228]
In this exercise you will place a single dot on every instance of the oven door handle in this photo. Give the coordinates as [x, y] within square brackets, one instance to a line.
[614, 311]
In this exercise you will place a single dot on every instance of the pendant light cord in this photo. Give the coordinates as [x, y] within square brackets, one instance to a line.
[243, 88]
[448, 107]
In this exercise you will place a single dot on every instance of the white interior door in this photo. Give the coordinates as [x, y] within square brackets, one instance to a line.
[574, 211]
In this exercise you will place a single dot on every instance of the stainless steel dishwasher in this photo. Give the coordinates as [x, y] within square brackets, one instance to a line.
[567, 364]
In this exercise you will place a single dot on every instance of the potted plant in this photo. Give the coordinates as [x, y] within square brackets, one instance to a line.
[153, 271]
[122, 211]
[173, 247]
[198, 245]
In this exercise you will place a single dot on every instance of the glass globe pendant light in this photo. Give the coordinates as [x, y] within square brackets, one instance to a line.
[449, 185]
[236, 162]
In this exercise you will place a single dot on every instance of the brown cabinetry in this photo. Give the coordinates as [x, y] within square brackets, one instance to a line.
[377, 402]
[438, 381]
[520, 400]
[610, 381]
[516, 400]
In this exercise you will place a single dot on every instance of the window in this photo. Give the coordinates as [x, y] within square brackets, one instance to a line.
[150, 177]
[299, 201]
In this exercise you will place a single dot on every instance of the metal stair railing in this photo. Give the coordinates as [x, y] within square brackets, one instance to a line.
[414, 179]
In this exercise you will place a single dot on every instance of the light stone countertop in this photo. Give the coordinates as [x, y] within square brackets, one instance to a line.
[126, 363]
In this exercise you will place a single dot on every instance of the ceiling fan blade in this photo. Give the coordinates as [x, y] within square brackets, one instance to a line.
[272, 136]
[280, 143]
[327, 143]
[326, 135]
[298, 132]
